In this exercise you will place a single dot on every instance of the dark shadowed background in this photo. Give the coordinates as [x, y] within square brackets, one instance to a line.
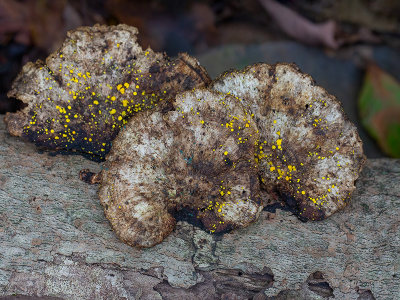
[351, 48]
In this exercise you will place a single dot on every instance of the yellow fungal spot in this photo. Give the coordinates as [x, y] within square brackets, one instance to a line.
[303, 192]
[126, 85]
[113, 98]
[272, 169]
[226, 153]
[96, 102]
[113, 111]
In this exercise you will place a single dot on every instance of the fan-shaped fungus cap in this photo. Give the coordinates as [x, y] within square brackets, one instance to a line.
[310, 154]
[199, 155]
[87, 90]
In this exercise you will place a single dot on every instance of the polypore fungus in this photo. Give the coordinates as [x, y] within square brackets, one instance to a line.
[211, 149]
[87, 90]
[198, 155]
[267, 130]
[309, 153]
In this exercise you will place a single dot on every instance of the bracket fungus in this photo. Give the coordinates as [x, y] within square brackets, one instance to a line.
[224, 150]
[309, 153]
[198, 154]
[87, 90]
[250, 138]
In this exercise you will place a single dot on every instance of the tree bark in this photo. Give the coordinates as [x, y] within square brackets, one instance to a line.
[56, 243]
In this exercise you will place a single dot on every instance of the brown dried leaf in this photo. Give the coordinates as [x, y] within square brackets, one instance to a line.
[328, 34]
[87, 90]
[298, 27]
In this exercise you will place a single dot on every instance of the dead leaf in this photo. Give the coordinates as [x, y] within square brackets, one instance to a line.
[300, 28]
[328, 34]
[379, 108]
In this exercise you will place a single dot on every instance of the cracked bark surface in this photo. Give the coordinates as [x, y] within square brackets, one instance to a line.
[56, 242]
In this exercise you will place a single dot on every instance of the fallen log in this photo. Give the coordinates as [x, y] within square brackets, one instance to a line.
[56, 242]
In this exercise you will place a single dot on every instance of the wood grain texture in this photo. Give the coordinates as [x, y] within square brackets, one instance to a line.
[56, 242]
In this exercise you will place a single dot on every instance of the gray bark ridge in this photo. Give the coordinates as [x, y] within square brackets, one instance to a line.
[55, 241]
